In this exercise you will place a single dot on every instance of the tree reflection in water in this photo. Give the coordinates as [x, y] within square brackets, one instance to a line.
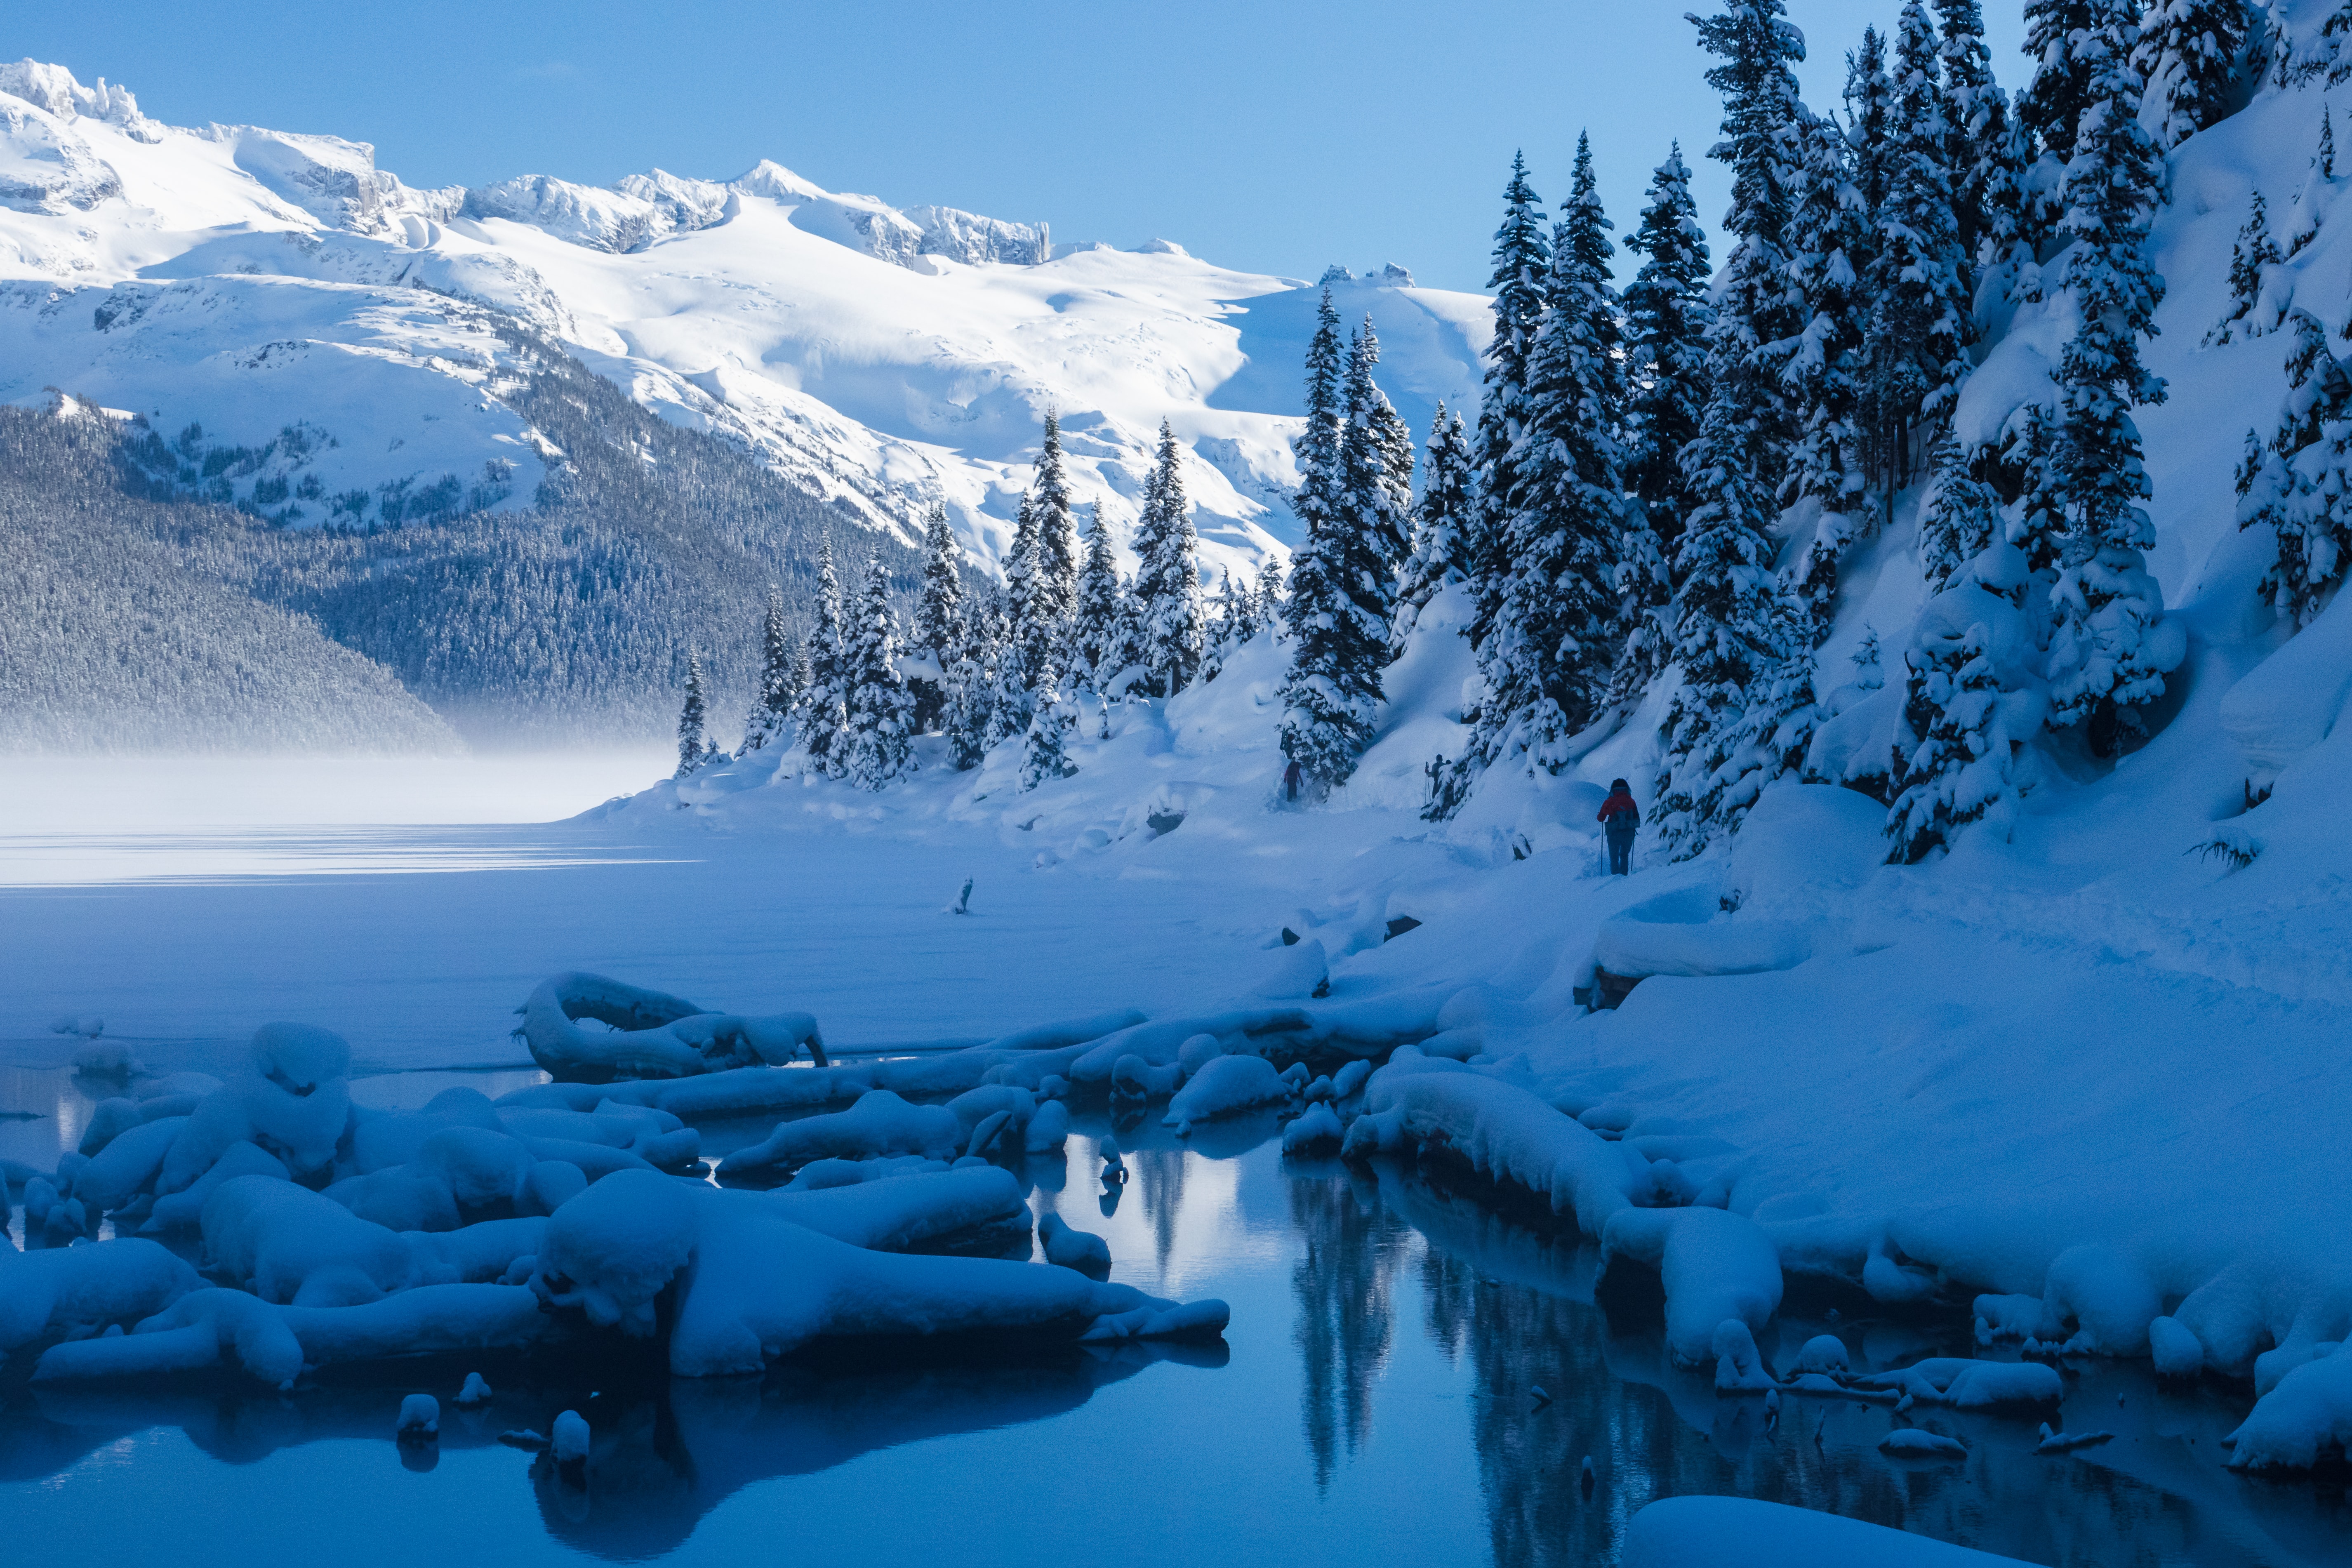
[1351, 1252]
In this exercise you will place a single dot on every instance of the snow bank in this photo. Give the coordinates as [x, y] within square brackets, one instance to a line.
[650, 1034]
[1505, 1135]
[754, 1285]
[2289, 702]
[1717, 1268]
[1635, 945]
[1711, 1531]
[2303, 1423]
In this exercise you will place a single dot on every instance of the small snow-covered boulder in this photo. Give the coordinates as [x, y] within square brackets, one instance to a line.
[1738, 1369]
[650, 1034]
[1349, 1079]
[2111, 1299]
[1198, 1052]
[1048, 1130]
[127, 1165]
[108, 1120]
[476, 1392]
[1743, 1532]
[1916, 1442]
[1071, 1248]
[419, 1420]
[1226, 1086]
[1824, 1354]
[290, 1099]
[1135, 1081]
[1317, 1131]
[569, 1438]
[2175, 1351]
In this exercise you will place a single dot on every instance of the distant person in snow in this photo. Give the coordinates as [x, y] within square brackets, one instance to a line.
[1290, 780]
[1620, 818]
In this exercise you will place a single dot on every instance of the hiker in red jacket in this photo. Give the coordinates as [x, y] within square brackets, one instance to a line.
[1620, 818]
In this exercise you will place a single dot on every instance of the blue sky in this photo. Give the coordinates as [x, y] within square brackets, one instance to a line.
[1275, 136]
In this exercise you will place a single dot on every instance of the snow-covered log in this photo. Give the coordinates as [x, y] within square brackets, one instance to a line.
[83, 1290]
[753, 1284]
[650, 1034]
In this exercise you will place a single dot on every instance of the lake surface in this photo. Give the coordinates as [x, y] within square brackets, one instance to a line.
[1371, 1403]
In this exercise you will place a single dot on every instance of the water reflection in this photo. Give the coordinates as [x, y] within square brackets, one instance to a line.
[1401, 1327]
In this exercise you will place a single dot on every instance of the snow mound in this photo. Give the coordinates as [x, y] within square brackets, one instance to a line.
[1227, 1086]
[1718, 1269]
[1505, 1135]
[1709, 1531]
[2306, 1421]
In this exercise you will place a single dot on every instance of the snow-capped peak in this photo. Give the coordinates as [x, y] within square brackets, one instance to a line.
[54, 89]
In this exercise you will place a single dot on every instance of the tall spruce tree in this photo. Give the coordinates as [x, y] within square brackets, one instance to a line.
[1952, 746]
[1171, 620]
[880, 707]
[2060, 41]
[1054, 587]
[1546, 664]
[1667, 315]
[1830, 244]
[1730, 623]
[1974, 104]
[1521, 281]
[939, 616]
[1870, 101]
[780, 667]
[1021, 591]
[1343, 591]
[1443, 522]
[824, 705]
[691, 717]
[1044, 753]
[1317, 448]
[2187, 56]
[2037, 525]
[1097, 629]
[1916, 344]
[2104, 656]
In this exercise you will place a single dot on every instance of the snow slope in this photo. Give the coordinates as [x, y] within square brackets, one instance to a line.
[247, 281]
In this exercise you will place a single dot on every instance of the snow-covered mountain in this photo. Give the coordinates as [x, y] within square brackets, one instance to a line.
[247, 281]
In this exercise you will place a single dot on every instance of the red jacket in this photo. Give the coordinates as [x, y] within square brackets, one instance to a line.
[1620, 804]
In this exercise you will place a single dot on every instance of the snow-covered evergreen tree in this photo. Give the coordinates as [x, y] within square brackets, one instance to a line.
[1830, 244]
[1920, 323]
[1171, 623]
[1021, 599]
[2059, 36]
[1667, 315]
[691, 718]
[780, 667]
[1731, 624]
[1521, 281]
[2187, 56]
[939, 614]
[2105, 653]
[1870, 102]
[1343, 591]
[2037, 521]
[1545, 663]
[1044, 753]
[2318, 192]
[2254, 252]
[1097, 627]
[824, 710]
[972, 680]
[1375, 467]
[1952, 744]
[1316, 450]
[1444, 523]
[1962, 519]
[880, 707]
[1974, 104]
[2302, 485]
[1054, 582]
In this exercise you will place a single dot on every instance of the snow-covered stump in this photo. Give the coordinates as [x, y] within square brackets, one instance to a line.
[760, 1275]
[650, 1034]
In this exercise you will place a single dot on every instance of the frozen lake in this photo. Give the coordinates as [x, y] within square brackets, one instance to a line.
[1372, 1401]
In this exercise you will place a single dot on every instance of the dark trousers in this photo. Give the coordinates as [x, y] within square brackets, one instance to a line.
[1621, 854]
